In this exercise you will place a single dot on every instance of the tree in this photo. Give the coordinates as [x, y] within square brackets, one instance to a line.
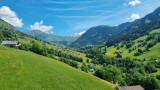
[136, 54]
[129, 51]
[119, 56]
[24, 47]
[158, 77]
[140, 51]
[44, 51]
[99, 73]
[112, 74]
[87, 61]
[36, 47]
[150, 83]
[84, 67]
[1, 36]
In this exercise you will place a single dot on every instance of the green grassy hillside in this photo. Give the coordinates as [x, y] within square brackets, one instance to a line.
[26, 70]
[154, 53]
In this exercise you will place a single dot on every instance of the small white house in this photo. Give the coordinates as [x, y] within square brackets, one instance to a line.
[91, 64]
[79, 66]
[91, 70]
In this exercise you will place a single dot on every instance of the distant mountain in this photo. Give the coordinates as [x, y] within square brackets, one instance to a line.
[99, 34]
[142, 27]
[65, 40]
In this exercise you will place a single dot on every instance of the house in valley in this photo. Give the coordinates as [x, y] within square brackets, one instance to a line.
[91, 70]
[91, 64]
[11, 43]
[137, 87]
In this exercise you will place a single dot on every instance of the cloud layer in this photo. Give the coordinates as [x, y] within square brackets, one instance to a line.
[10, 16]
[41, 27]
[134, 2]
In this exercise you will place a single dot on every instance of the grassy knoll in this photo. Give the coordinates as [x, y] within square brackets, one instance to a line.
[26, 70]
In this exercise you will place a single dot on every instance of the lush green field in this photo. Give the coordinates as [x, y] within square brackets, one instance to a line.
[26, 70]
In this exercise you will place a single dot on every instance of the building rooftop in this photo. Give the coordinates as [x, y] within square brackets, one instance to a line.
[9, 43]
[137, 87]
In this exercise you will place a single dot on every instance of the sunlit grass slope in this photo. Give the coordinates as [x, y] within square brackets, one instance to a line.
[26, 70]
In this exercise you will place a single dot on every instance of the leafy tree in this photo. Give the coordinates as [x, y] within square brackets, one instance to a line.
[44, 51]
[136, 54]
[119, 56]
[24, 47]
[87, 60]
[84, 67]
[99, 73]
[112, 74]
[140, 51]
[129, 51]
[1, 36]
[158, 77]
[36, 47]
[149, 83]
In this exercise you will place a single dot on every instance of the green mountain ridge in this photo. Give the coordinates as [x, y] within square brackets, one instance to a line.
[65, 40]
[99, 34]
[140, 28]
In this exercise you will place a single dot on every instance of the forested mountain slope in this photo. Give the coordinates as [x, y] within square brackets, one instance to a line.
[99, 34]
[140, 28]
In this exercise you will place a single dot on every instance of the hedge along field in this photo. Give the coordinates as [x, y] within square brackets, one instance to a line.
[26, 70]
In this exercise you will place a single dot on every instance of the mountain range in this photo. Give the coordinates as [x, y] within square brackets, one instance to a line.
[65, 40]
[99, 34]
[126, 31]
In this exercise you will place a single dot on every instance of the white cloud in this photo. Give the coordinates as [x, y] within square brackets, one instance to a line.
[134, 17]
[78, 34]
[51, 32]
[41, 27]
[10, 16]
[134, 2]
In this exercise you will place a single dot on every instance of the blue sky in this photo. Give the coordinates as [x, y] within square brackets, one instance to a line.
[65, 17]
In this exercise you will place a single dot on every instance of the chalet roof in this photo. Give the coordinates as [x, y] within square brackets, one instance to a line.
[90, 63]
[91, 70]
[9, 43]
[137, 87]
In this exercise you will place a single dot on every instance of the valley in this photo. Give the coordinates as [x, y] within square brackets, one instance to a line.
[104, 57]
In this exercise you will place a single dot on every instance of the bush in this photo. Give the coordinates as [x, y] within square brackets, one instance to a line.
[140, 51]
[136, 54]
